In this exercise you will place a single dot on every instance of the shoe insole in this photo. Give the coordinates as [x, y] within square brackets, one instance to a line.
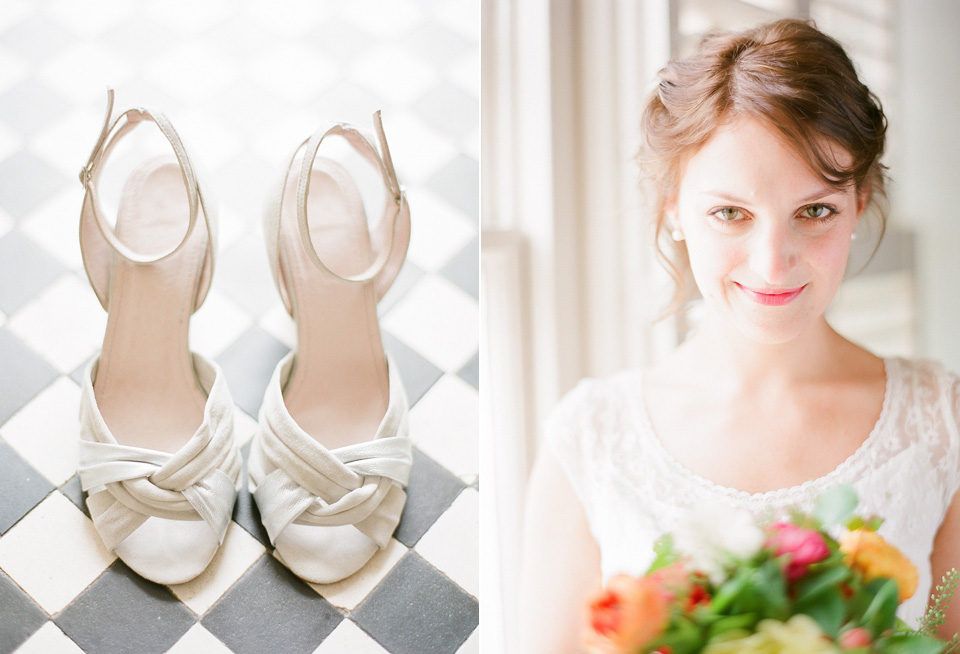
[337, 391]
[146, 386]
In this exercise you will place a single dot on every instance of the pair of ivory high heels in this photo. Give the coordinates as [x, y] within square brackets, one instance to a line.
[331, 457]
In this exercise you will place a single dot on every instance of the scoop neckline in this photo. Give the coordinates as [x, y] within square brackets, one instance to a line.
[648, 434]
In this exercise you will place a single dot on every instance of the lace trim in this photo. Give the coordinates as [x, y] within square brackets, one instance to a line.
[643, 430]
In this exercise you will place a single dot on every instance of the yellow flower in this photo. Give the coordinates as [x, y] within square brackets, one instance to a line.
[869, 553]
[798, 635]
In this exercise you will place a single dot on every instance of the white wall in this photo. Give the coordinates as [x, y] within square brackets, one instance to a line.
[926, 193]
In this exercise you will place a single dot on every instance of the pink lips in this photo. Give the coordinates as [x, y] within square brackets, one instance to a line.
[771, 297]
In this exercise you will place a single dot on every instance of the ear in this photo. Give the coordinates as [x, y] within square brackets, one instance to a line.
[863, 197]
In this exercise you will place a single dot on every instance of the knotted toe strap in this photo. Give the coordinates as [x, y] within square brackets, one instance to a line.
[128, 485]
[359, 485]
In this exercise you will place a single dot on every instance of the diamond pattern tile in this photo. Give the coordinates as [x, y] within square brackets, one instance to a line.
[448, 616]
[21, 487]
[122, 612]
[270, 610]
[21, 616]
[243, 83]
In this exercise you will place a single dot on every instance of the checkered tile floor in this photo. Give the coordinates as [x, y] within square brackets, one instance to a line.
[243, 82]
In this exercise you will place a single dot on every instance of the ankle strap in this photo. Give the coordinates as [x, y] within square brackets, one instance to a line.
[389, 239]
[96, 233]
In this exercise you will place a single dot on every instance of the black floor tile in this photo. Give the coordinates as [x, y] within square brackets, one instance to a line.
[26, 181]
[457, 182]
[248, 365]
[21, 487]
[464, 268]
[121, 612]
[245, 512]
[271, 610]
[418, 374]
[25, 374]
[470, 372]
[418, 610]
[431, 491]
[25, 269]
[19, 615]
[73, 492]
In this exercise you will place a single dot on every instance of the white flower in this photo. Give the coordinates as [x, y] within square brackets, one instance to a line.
[710, 534]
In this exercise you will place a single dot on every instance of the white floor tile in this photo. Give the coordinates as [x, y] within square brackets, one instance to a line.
[48, 639]
[54, 225]
[418, 151]
[46, 433]
[239, 551]
[194, 71]
[444, 424]
[288, 17]
[462, 16]
[348, 637]
[65, 323]
[244, 427]
[439, 230]
[65, 144]
[216, 325]
[296, 73]
[472, 644]
[53, 553]
[6, 223]
[347, 594]
[83, 71]
[11, 141]
[438, 320]
[382, 18]
[203, 16]
[198, 640]
[394, 74]
[452, 544]
[90, 19]
[214, 143]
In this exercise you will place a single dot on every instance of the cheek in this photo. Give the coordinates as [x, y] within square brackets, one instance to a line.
[830, 258]
[712, 260]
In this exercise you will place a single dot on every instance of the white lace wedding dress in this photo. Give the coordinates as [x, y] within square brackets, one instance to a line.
[633, 490]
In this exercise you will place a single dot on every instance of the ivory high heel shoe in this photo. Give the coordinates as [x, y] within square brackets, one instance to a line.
[157, 454]
[331, 456]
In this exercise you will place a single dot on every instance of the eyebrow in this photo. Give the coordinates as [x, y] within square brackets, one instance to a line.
[820, 193]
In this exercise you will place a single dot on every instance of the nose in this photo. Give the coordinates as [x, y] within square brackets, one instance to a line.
[773, 252]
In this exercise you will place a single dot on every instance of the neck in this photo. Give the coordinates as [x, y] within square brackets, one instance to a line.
[725, 354]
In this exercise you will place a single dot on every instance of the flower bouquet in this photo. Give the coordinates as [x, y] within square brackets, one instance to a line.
[725, 585]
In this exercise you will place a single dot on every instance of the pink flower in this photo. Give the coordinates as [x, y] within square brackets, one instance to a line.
[800, 547]
[854, 638]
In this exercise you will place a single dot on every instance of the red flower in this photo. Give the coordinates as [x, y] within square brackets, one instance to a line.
[798, 545]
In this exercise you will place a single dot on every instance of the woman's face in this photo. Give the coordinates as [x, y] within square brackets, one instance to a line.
[768, 239]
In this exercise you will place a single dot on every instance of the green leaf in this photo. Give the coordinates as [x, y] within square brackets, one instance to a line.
[683, 636]
[913, 643]
[836, 506]
[744, 621]
[879, 615]
[665, 554]
[827, 608]
[816, 582]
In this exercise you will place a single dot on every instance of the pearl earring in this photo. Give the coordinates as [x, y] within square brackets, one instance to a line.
[676, 235]
[853, 236]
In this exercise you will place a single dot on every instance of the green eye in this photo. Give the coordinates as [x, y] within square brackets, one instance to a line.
[818, 211]
[727, 213]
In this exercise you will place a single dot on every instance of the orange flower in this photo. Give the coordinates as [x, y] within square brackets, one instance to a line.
[869, 553]
[625, 616]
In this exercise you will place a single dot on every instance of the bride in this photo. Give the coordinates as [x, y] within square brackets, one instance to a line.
[763, 150]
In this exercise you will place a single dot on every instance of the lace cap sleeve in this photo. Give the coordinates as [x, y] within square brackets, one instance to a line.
[950, 405]
[578, 432]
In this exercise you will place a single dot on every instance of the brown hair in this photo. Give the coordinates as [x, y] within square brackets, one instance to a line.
[786, 73]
